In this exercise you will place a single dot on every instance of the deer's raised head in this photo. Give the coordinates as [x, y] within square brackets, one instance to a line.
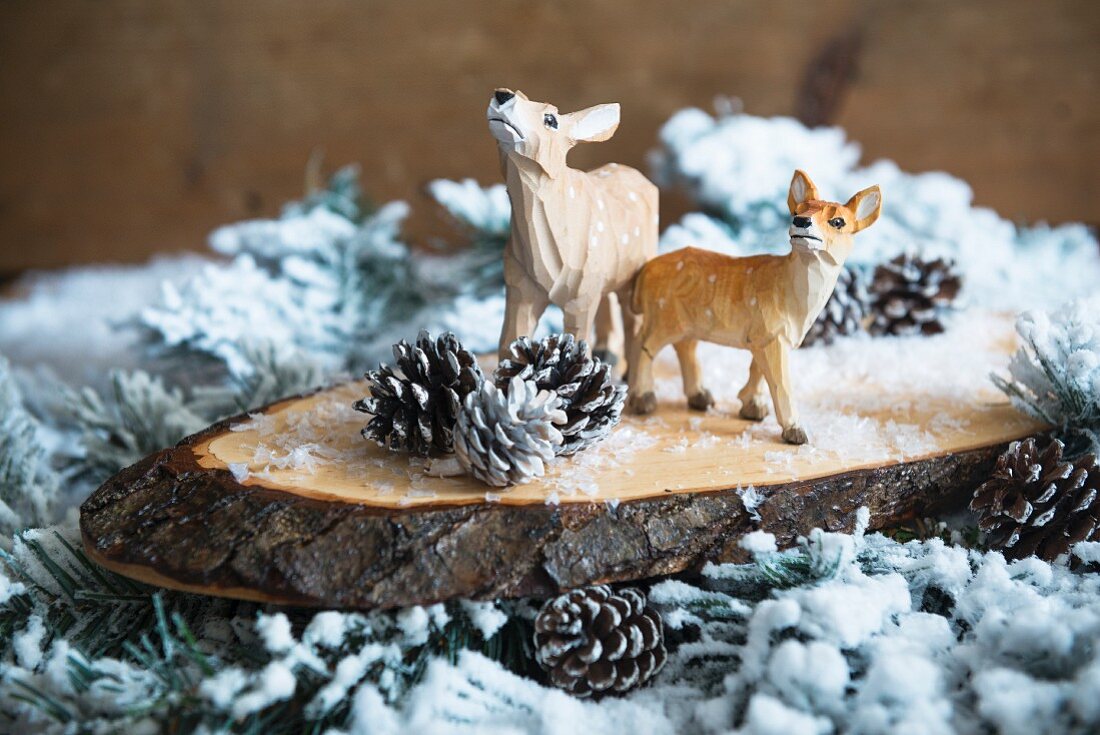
[537, 131]
[828, 226]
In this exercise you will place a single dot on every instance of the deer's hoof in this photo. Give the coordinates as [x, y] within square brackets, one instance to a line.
[644, 403]
[754, 410]
[795, 435]
[701, 401]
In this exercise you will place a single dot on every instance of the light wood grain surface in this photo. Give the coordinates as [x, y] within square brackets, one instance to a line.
[861, 403]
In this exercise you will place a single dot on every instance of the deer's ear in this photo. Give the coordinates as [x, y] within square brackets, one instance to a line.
[802, 190]
[866, 206]
[595, 123]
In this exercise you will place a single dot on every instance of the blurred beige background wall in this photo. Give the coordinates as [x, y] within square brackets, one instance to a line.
[129, 127]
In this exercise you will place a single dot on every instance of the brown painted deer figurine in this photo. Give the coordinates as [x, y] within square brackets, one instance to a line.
[577, 237]
[762, 303]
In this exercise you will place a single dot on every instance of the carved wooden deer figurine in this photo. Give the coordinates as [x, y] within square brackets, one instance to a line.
[763, 303]
[577, 237]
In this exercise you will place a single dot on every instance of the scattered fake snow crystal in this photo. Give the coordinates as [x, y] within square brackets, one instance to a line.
[751, 498]
[239, 470]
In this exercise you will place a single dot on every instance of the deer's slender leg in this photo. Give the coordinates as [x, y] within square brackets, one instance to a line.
[578, 320]
[699, 398]
[754, 403]
[522, 309]
[774, 361]
[631, 326]
[643, 398]
[609, 333]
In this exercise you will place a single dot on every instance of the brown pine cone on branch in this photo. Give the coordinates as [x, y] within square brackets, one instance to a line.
[844, 311]
[910, 295]
[594, 641]
[1035, 502]
[416, 404]
[592, 402]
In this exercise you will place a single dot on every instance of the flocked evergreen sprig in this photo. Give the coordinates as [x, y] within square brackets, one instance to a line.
[81, 647]
[483, 217]
[1055, 373]
[28, 485]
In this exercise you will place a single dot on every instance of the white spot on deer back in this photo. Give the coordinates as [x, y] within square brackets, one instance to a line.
[712, 278]
[599, 203]
[679, 265]
[632, 196]
[572, 193]
[637, 231]
[593, 240]
[661, 302]
[599, 225]
[625, 238]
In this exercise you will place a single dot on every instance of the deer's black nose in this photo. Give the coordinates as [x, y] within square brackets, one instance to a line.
[503, 95]
[802, 221]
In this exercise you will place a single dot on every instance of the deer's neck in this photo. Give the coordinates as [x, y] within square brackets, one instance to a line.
[536, 237]
[812, 276]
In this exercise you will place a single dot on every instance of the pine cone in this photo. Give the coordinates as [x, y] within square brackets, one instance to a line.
[506, 438]
[910, 295]
[594, 641]
[593, 404]
[415, 409]
[1037, 503]
[844, 311]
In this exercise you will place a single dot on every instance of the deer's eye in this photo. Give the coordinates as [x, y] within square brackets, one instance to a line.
[836, 222]
[550, 121]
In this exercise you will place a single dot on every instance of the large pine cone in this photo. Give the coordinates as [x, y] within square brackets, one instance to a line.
[415, 405]
[594, 641]
[910, 295]
[592, 402]
[1037, 503]
[507, 438]
[844, 311]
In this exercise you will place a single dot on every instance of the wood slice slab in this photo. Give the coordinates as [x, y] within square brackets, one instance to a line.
[291, 505]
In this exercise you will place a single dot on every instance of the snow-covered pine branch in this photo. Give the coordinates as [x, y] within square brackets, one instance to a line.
[737, 168]
[28, 486]
[1055, 374]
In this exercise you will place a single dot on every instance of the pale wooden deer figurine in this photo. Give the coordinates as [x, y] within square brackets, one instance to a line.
[577, 237]
[762, 303]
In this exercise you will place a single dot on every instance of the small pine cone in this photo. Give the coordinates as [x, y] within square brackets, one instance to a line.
[415, 406]
[504, 438]
[844, 311]
[910, 295]
[593, 404]
[594, 641]
[1037, 503]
